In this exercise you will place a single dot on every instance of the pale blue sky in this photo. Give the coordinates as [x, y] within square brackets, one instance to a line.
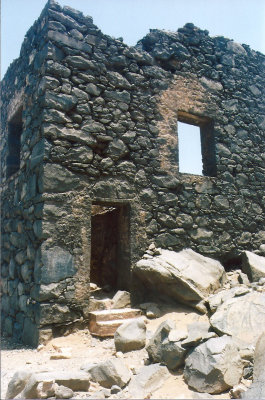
[189, 144]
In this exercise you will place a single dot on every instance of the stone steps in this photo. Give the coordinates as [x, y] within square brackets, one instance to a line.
[105, 323]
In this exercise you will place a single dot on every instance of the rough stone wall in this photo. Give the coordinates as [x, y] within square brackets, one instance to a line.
[101, 119]
[22, 201]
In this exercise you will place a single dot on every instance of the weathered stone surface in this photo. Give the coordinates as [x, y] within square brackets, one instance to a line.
[76, 381]
[161, 348]
[130, 336]
[17, 383]
[185, 276]
[62, 39]
[215, 300]
[92, 89]
[117, 149]
[122, 299]
[62, 102]
[203, 396]
[198, 332]
[58, 264]
[58, 384]
[253, 265]
[111, 372]
[58, 179]
[214, 366]
[38, 387]
[30, 333]
[55, 313]
[151, 310]
[99, 304]
[104, 323]
[149, 379]
[241, 317]
[237, 391]
[54, 68]
[257, 389]
[63, 392]
[48, 292]
[63, 353]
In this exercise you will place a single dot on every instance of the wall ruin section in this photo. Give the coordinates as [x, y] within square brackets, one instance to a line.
[99, 126]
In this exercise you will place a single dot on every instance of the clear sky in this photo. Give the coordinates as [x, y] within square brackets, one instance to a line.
[240, 20]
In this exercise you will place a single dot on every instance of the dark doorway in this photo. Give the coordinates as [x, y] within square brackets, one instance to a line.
[110, 245]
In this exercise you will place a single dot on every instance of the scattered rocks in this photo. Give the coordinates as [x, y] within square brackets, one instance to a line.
[148, 379]
[62, 353]
[198, 332]
[214, 366]
[237, 391]
[39, 387]
[151, 310]
[111, 372]
[62, 392]
[161, 349]
[99, 304]
[130, 335]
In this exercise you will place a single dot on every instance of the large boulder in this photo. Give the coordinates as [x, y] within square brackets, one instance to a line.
[214, 366]
[186, 276]
[241, 317]
[17, 383]
[148, 379]
[253, 265]
[164, 349]
[110, 372]
[257, 389]
[130, 336]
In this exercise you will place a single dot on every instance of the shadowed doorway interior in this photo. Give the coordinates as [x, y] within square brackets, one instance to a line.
[110, 245]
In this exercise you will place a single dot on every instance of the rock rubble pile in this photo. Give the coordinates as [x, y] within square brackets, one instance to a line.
[225, 352]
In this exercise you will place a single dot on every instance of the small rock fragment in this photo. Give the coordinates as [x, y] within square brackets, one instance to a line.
[122, 299]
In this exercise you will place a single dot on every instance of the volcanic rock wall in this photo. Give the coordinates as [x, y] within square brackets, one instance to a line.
[99, 127]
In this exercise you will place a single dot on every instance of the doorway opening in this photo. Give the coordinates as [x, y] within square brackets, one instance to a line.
[110, 245]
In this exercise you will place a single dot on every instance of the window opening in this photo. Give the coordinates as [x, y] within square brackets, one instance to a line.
[190, 155]
[14, 143]
[196, 146]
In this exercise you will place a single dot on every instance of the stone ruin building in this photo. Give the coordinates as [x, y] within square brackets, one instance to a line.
[90, 174]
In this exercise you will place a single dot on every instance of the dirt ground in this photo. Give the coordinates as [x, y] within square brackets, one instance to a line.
[85, 348]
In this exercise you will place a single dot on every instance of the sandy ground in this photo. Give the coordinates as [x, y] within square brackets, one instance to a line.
[86, 348]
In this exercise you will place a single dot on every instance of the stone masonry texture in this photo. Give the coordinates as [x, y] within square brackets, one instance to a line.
[97, 125]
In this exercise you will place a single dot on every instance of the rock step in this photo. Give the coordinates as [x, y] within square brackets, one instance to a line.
[106, 328]
[105, 323]
[114, 314]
